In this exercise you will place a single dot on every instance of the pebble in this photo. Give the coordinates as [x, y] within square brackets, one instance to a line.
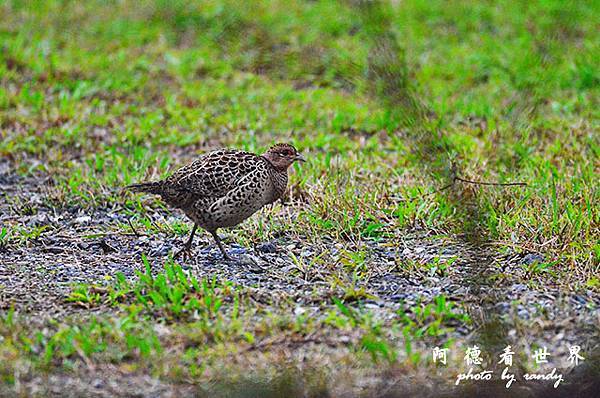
[268, 247]
[399, 296]
[38, 220]
[53, 249]
[236, 251]
[83, 219]
[523, 313]
[518, 287]
[531, 258]
[248, 259]
[161, 251]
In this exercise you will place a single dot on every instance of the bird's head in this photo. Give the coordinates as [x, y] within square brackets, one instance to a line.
[282, 156]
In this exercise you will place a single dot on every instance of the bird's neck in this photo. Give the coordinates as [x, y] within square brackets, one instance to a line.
[277, 165]
[280, 180]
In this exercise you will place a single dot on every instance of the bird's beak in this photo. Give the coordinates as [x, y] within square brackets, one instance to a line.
[299, 158]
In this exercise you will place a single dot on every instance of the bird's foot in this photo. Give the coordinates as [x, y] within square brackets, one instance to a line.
[185, 251]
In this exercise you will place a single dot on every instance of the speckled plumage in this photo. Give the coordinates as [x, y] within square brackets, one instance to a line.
[223, 188]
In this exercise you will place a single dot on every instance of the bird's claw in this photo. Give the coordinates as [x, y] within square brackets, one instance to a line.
[186, 251]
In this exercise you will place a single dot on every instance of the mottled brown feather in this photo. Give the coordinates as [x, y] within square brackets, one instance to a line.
[224, 187]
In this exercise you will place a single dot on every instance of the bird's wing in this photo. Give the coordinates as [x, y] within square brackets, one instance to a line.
[214, 174]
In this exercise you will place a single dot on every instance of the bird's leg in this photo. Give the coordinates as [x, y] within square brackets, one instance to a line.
[218, 240]
[187, 245]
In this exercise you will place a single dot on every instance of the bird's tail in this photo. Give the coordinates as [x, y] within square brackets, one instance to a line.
[149, 187]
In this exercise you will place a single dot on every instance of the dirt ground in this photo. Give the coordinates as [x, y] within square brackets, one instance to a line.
[36, 277]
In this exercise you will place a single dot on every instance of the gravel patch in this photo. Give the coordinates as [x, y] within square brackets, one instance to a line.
[90, 247]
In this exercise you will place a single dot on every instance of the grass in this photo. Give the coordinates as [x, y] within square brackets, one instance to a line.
[388, 102]
[195, 319]
[515, 103]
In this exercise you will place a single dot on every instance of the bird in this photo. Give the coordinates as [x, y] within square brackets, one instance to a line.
[224, 187]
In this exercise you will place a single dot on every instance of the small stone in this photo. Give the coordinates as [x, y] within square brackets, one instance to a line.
[53, 249]
[580, 299]
[38, 220]
[248, 259]
[532, 258]
[389, 255]
[83, 219]
[268, 247]
[518, 287]
[299, 311]
[161, 251]
[36, 199]
[237, 251]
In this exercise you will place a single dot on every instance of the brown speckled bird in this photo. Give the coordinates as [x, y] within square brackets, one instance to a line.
[223, 188]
